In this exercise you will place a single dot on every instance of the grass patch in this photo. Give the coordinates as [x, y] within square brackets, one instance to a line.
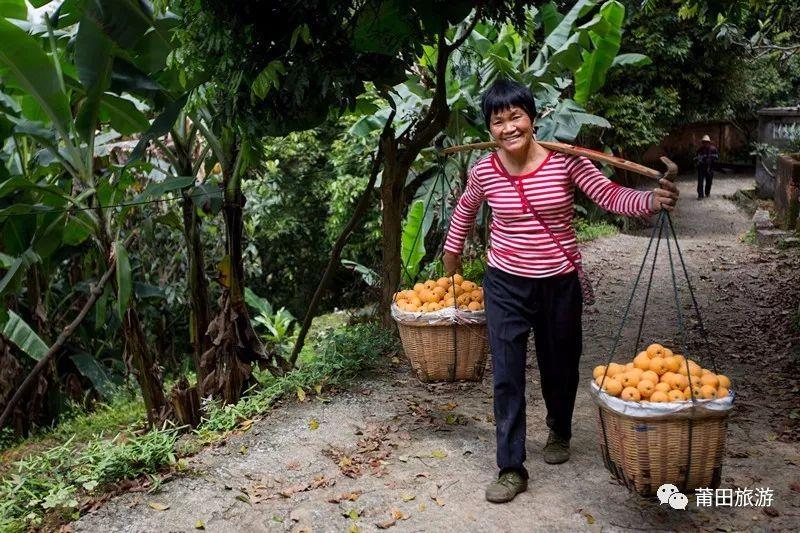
[49, 484]
[47, 487]
[588, 231]
[123, 410]
[749, 237]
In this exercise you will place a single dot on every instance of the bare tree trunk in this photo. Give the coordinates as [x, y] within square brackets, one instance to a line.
[200, 314]
[144, 368]
[10, 375]
[392, 183]
[186, 404]
[138, 358]
[399, 154]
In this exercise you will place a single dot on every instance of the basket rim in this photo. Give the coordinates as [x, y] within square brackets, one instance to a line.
[424, 323]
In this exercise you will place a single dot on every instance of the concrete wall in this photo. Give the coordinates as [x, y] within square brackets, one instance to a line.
[780, 127]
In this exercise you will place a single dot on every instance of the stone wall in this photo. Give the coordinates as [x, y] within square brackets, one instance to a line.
[779, 127]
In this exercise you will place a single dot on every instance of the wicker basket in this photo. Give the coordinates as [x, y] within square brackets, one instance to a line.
[445, 352]
[645, 453]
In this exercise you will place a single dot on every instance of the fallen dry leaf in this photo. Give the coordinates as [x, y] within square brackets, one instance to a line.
[199, 525]
[397, 514]
[421, 507]
[439, 454]
[346, 496]
[158, 506]
[386, 524]
[313, 424]
[293, 465]
[301, 394]
[422, 474]
[438, 500]
[408, 496]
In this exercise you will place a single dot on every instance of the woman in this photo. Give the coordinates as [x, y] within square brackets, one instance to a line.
[531, 281]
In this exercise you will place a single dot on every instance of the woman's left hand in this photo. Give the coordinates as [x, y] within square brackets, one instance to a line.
[666, 196]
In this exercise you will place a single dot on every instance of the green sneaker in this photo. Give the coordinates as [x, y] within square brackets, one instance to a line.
[506, 487]
[556, 451]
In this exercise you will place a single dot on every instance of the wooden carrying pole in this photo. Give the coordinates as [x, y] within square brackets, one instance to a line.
[577, 150]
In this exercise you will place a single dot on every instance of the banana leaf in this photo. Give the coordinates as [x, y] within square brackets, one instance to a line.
[22, 335]
[412, 250]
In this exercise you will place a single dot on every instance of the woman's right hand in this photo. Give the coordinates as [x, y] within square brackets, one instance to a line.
[452, 263]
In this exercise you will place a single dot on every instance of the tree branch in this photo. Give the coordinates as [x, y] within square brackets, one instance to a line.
[460, 40]
[336, 251]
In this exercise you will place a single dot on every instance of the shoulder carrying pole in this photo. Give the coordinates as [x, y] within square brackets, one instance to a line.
[594, 155]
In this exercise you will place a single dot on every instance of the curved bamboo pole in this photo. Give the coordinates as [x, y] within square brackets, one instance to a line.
[594, 155]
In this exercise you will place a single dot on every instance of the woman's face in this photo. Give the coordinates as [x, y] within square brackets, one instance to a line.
[512, 128]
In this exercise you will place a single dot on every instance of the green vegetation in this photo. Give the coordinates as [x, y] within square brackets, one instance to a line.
[589, 231]
[81, 425]
[51, 481]
[749, 237]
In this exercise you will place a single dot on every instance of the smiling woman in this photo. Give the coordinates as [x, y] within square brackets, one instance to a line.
[533, 278]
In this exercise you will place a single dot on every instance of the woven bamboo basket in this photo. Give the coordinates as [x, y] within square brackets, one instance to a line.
[645, 453]
[445, 352]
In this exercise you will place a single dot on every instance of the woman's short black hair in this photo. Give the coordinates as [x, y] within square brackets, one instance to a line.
[505, 93]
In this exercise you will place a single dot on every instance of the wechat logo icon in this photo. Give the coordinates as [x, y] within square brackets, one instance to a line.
[668, 493]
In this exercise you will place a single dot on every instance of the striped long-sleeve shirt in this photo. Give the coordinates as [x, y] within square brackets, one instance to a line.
[518, 243]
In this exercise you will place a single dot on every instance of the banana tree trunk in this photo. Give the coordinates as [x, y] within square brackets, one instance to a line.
[227, 364]
[10, 376]
[144, 368]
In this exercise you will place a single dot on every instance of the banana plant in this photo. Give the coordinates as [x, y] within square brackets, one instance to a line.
[68, 85]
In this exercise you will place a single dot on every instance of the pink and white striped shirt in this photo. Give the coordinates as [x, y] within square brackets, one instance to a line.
[518, 243]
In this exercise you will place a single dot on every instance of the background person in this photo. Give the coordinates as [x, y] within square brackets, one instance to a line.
[707, 156]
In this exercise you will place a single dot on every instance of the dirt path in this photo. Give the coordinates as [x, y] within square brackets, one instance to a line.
[428, 451]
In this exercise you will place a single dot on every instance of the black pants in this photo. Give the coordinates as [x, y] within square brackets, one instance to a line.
[705, 175]
[552, 307]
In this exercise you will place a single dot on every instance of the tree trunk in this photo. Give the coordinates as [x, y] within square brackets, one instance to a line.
[10, 376]
[399, 155]
[144, 367]
[186, 404]
[234, 342]
[392, 184]
[198, 286]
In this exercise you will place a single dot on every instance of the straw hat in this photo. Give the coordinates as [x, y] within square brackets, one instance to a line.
[706, 138]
